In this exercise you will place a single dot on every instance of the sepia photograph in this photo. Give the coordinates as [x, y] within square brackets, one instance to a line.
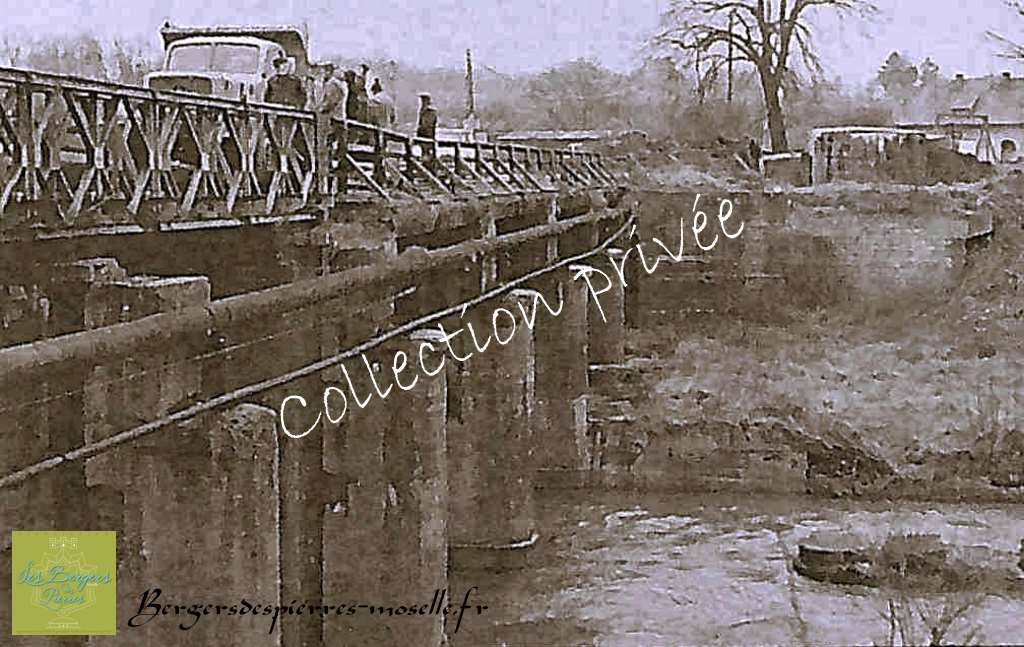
[495, 323]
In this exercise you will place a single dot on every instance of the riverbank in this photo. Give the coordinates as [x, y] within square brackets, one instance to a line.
[887, 366]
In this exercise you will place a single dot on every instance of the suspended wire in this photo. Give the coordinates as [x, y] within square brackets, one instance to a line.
[89, 450]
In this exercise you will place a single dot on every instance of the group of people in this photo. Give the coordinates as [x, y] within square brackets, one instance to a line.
[350, 97]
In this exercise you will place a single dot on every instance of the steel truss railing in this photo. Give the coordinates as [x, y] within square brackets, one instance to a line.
[80, 153]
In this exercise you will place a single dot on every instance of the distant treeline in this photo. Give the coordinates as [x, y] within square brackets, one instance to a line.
[85, 56]
[657, 98]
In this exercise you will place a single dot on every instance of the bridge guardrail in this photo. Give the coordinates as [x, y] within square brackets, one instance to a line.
[79, 153]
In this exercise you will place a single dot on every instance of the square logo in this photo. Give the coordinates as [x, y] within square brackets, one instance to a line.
[63, 583]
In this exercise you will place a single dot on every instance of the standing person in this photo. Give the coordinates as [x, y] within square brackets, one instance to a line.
[376, 110]
[427, 122]
[426, 127]
[332, 106]
[364, 77]
[356, 104]
[386, 104]
[284, 87]
[334, 96]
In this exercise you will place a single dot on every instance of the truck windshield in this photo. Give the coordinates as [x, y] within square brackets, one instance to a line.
[229, 59]
[236, 59]
[190, 58]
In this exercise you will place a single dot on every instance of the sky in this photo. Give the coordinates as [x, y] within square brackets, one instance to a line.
[531, 35]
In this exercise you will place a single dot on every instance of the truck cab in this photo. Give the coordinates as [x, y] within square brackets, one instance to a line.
[227, 62]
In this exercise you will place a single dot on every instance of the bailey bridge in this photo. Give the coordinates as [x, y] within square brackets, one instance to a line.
[176, 266]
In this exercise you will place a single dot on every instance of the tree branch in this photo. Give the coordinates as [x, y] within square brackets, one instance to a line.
[1014, 51]
[706, 36]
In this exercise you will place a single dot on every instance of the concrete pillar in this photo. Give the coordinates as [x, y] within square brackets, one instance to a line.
[606, 314]
[202, 516]
[46, 416]
[305, 488]
[183, 507]
[50, 500]
[771, 208]
[490, 464]
[614, 428]
[352, 513]
[71, 408]
[633, 302]
[489, 263]
[354, 555]
[386, 545]
[243, 515]
[318, 479]
[561, 373]
[551, 247]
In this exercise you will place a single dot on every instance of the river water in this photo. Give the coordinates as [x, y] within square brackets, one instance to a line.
[657, 570]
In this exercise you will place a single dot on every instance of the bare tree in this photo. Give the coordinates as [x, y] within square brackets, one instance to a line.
[1011, 49]
[763, 33]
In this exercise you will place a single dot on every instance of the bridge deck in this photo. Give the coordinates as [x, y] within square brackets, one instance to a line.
[79, 154]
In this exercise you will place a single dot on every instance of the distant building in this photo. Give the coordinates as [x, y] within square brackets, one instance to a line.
[853, 153]
[983, 117]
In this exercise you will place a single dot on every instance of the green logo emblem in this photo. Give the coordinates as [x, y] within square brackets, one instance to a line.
[63, 583]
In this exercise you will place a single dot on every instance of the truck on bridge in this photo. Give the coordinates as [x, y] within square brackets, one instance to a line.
[202, 144]
[232, 62]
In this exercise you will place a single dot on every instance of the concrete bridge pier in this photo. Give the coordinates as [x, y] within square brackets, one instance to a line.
[606, 313]
[204, 491]
[342, 494]
[606, 335]
[492, 520]
[197, 494]
[561, 402]
[88, 294]
[46, 418]
[386, 544]
[311, 484]
[288, 341]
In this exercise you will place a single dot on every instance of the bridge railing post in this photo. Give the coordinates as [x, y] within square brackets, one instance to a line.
[323, 155]
[344, 150]
[379, 153]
